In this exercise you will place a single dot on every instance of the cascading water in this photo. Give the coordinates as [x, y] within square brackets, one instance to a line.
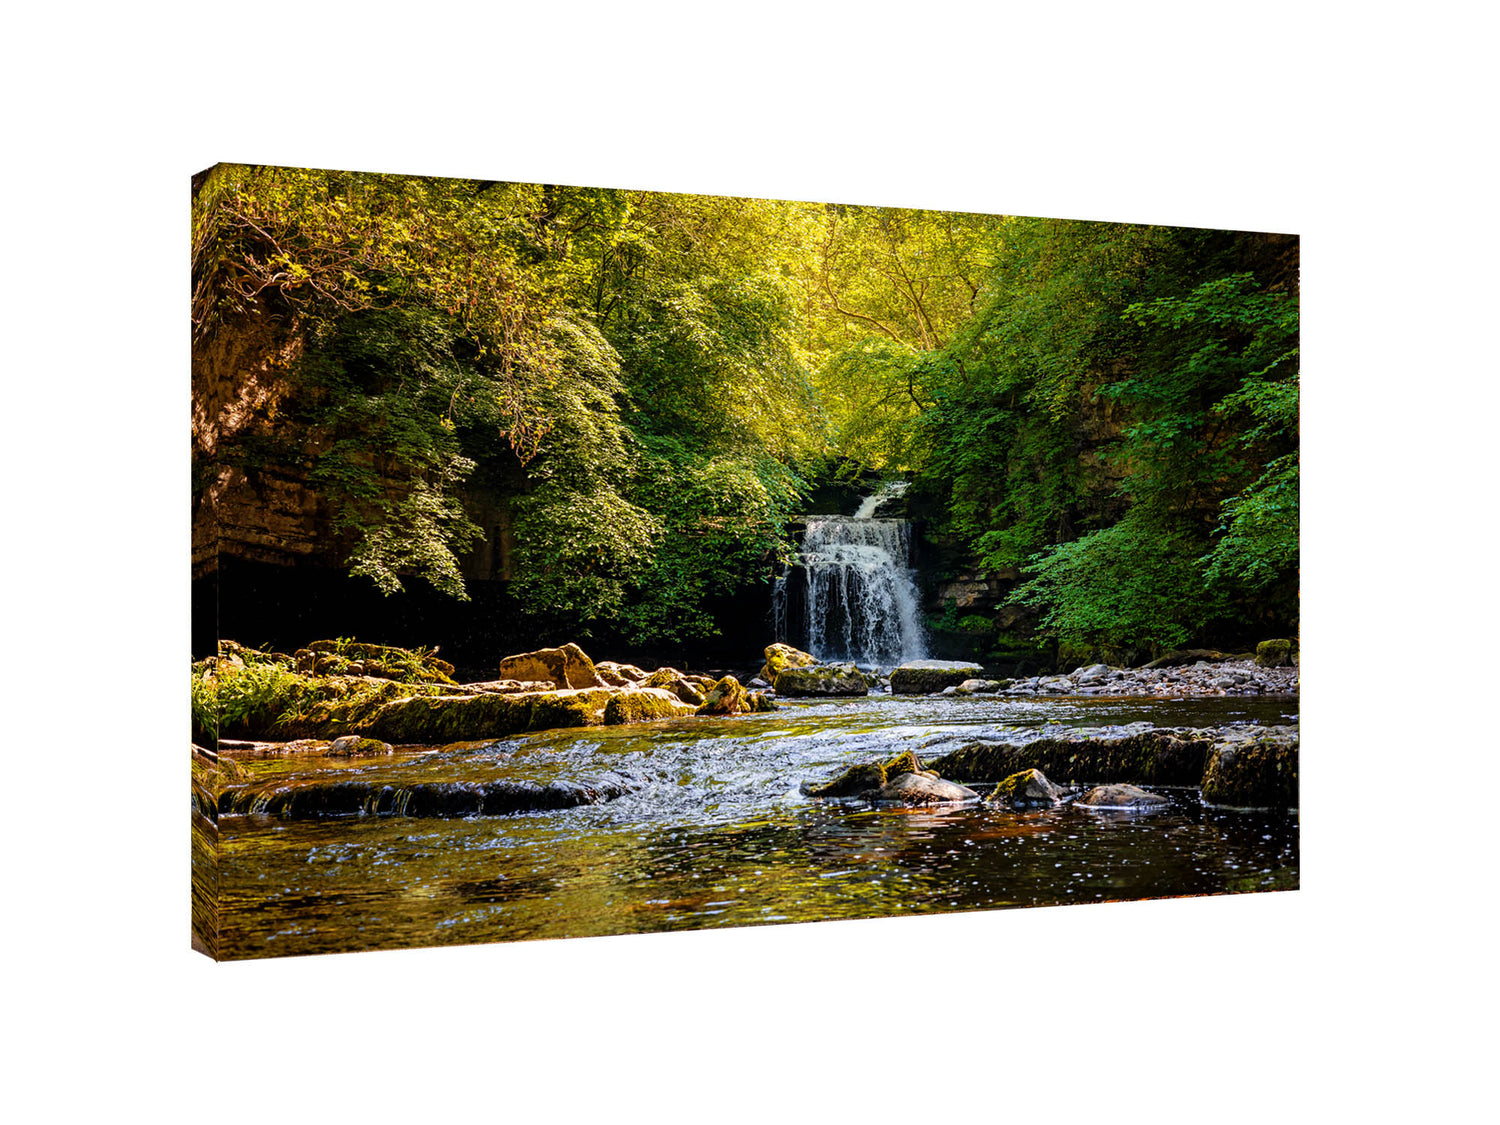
[860, 598]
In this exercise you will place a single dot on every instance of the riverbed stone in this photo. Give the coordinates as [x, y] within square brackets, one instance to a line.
[644, 705]
[356, 746]
[1128, 797]
[780, 657]
[923, 789]
[727, 697]
[1027, 789]
[1274, 653]
[1153, 756]
[678, 683]
[978, 687]
[821, 679]
[619, 675]
[434, 720]
[1254, 768]
[925, 677]
[300, 799]
[566, 666]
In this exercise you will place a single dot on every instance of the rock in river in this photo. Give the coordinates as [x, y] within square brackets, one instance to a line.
[564, 667]
[822, 679]
[901, 780]
[1127, 797]
[780, 657]
[644, 705]
[922, 677]
[1027, 789]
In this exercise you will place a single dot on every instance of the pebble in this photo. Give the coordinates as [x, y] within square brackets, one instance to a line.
[1228, 678]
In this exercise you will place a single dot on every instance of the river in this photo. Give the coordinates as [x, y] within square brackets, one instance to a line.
[715, 832]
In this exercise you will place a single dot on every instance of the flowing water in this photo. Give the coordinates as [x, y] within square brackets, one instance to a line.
[714, 832]
[859, 593]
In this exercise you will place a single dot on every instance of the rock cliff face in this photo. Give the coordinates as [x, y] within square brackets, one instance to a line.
[250, 493]
[252, 498]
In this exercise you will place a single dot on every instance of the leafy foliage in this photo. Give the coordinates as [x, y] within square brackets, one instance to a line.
[653, 382]
[1126, 585]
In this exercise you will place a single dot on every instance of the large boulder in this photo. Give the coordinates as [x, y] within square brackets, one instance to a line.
[644, 705]
[923, 677]
[727, 697]
[1093, 674]
[1257, 772]
[779, 657]
[1157, 757]
[565, 667]
[680, 685]
[922, 789]
[1027, 789]
[619, 675]
[1274, 654]
[434, 720]
[1131, 798]
[821, 679]
[901, 780]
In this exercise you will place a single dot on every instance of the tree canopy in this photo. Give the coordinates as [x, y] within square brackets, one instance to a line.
[1106, 412]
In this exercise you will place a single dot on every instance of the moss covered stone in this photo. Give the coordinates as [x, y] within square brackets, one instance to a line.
[357, 746]
[1027, 789]
[619, 675]
[1259, 772]
[1274, 654]
[679, 684]
[438, 719]
[780, 657]
[872, 780]
[727, 697]
[567, 666]
[644, 705]
[821, 679]
[923, 677]
[1154, 757]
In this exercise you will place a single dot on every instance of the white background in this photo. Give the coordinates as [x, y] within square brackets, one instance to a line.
[1366, 995]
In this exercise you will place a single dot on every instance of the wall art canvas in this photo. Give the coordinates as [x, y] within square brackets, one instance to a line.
[575, 561]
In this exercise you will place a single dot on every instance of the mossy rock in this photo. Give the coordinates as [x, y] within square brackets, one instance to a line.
[1155, 757]
[760, 702]
[1258, 773]
[821, 679]
[924, 677]
[868, 779]
[619, 675]
[853, 782]
[1027, 789]
[727, 697]
[1274, 654]
[437, 719]
[678, 683]
[923, 789]
[357, 746]
[644, 705]
[566, 666]
[780, 657]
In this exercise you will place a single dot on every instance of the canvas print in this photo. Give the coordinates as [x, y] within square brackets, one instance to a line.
[582, 561]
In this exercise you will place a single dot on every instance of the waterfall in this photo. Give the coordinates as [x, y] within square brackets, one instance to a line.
[859, 595]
